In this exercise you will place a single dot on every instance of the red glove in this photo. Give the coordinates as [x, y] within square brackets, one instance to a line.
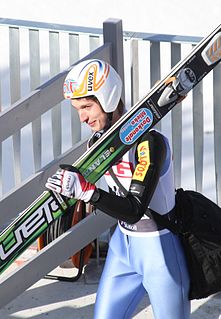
[69, 182]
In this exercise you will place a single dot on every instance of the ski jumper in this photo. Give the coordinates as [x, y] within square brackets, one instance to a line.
[142, 257]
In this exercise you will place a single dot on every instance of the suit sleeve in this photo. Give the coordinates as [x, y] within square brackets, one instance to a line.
[150, 157]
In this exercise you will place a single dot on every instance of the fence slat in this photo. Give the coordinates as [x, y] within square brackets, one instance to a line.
[198, 131]
[155, 69]
[217, 126]
[74, 55]
[56, 111]
[15, 85]
[94, 42]
[176, 122]
[34, 83]
[134, 72]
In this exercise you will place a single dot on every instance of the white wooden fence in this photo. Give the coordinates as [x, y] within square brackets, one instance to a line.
[38, 130]
[32, 53]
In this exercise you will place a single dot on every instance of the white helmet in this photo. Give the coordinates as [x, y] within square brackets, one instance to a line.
[94, 77]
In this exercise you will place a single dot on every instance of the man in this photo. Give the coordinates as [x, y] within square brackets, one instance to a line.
[142, 256]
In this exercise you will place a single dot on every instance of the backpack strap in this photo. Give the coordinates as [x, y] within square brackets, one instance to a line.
[169, 220]
[122, 189]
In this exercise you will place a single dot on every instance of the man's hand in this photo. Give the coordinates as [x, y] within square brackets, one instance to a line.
[69, 182]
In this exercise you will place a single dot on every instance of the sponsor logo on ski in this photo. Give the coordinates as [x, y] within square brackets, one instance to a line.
[136, 126]
[98, 161]
[43, 215]
[154, 109]
[212, 52]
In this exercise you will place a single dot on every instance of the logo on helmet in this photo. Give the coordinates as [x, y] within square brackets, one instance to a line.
[70, 86]
[94, 77]
[90, 81]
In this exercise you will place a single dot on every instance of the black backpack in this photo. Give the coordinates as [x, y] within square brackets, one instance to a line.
[197, 221]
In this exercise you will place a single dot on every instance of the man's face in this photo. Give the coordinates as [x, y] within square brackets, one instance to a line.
[91, 113]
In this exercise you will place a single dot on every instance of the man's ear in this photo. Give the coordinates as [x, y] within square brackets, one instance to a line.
[116, 116]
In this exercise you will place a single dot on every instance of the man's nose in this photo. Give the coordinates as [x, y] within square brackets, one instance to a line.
[83, 116]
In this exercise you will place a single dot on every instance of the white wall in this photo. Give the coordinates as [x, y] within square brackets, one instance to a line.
[184, 17]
